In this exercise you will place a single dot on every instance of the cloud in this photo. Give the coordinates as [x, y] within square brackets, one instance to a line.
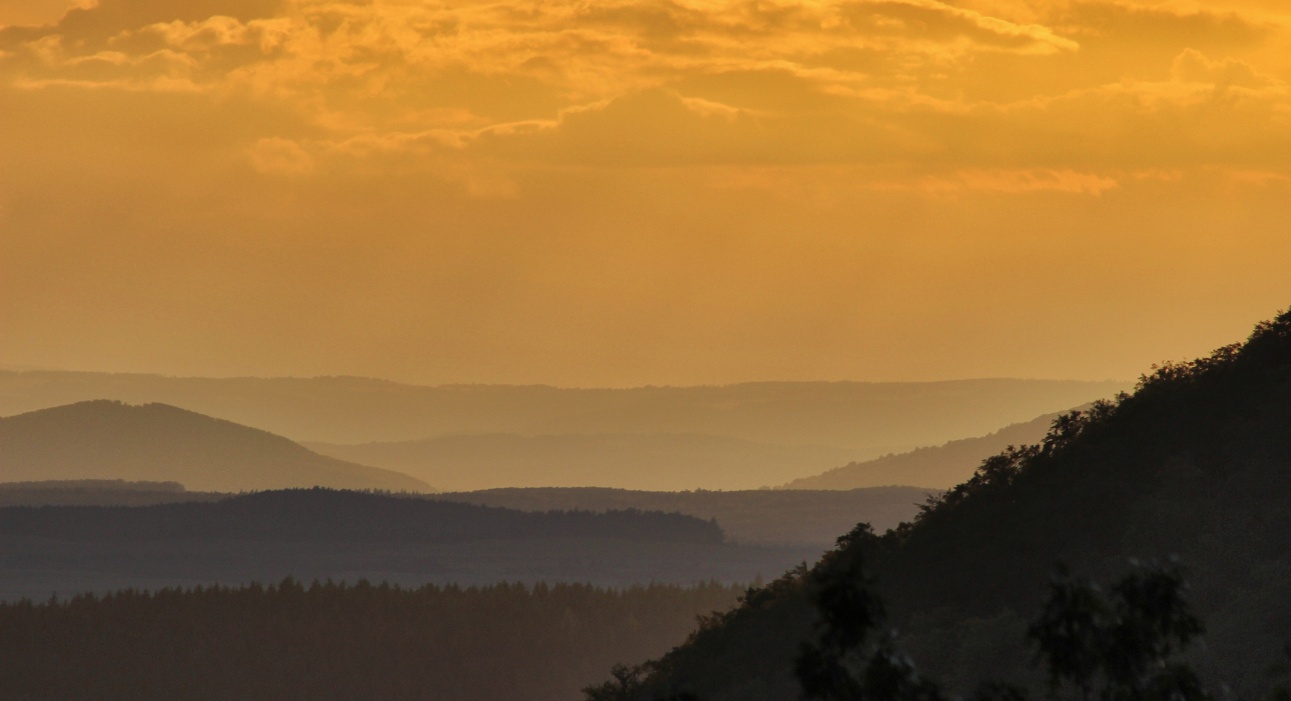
[278, 156]
[1192, 66]
[992, 85]
[490, 183]
[1149, 25]
[1016, 182]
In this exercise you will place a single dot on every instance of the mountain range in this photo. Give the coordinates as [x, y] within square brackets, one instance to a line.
[868, 419]
[635, 461]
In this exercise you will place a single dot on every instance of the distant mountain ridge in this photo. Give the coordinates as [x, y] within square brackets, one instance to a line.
[110, 440]
[649, 462]
[937, 467]
[867, 418]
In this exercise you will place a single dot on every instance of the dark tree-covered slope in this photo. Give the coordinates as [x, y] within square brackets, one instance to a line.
[109, 440]
[1195, 463]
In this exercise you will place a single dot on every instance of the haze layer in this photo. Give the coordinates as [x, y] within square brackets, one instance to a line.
[640, 191]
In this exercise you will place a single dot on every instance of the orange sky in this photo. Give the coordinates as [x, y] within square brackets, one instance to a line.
[641, 191]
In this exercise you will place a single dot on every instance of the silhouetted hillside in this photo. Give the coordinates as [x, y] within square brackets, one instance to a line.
[940, 467]
[504, 642]
[661, 462]
[765, 516]
[104, 440]
[869, 419]
[1197, 462]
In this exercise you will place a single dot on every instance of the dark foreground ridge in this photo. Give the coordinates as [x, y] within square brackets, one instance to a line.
[1196, 463]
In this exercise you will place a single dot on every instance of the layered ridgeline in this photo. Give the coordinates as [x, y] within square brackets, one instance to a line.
[758, 516]
[670, 438]
[346, 536]
[1195, 463]
[109, 440]
[940, 467]
[752, 517]
[647, 462]
[331, 516]
[324, 642]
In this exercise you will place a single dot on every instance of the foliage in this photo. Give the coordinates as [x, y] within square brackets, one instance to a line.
[1121, 645]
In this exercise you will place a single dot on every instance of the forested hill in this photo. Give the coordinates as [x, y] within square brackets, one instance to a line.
[1196, 463]
[324, 515]
[109, 440]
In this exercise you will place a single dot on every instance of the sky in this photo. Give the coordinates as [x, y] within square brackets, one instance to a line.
[629, 192]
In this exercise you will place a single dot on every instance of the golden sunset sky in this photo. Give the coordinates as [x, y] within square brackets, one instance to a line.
[623, 192]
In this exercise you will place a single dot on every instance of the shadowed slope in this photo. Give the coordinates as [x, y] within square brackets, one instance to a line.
[110, 440]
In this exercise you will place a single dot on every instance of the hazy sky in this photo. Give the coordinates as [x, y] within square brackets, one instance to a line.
[621, 192]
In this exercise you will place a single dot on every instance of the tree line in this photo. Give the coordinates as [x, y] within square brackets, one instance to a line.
[328, 640]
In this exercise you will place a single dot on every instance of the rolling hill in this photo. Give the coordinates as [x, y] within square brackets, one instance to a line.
[109, 440]
[939, 467]
[1196, 463]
